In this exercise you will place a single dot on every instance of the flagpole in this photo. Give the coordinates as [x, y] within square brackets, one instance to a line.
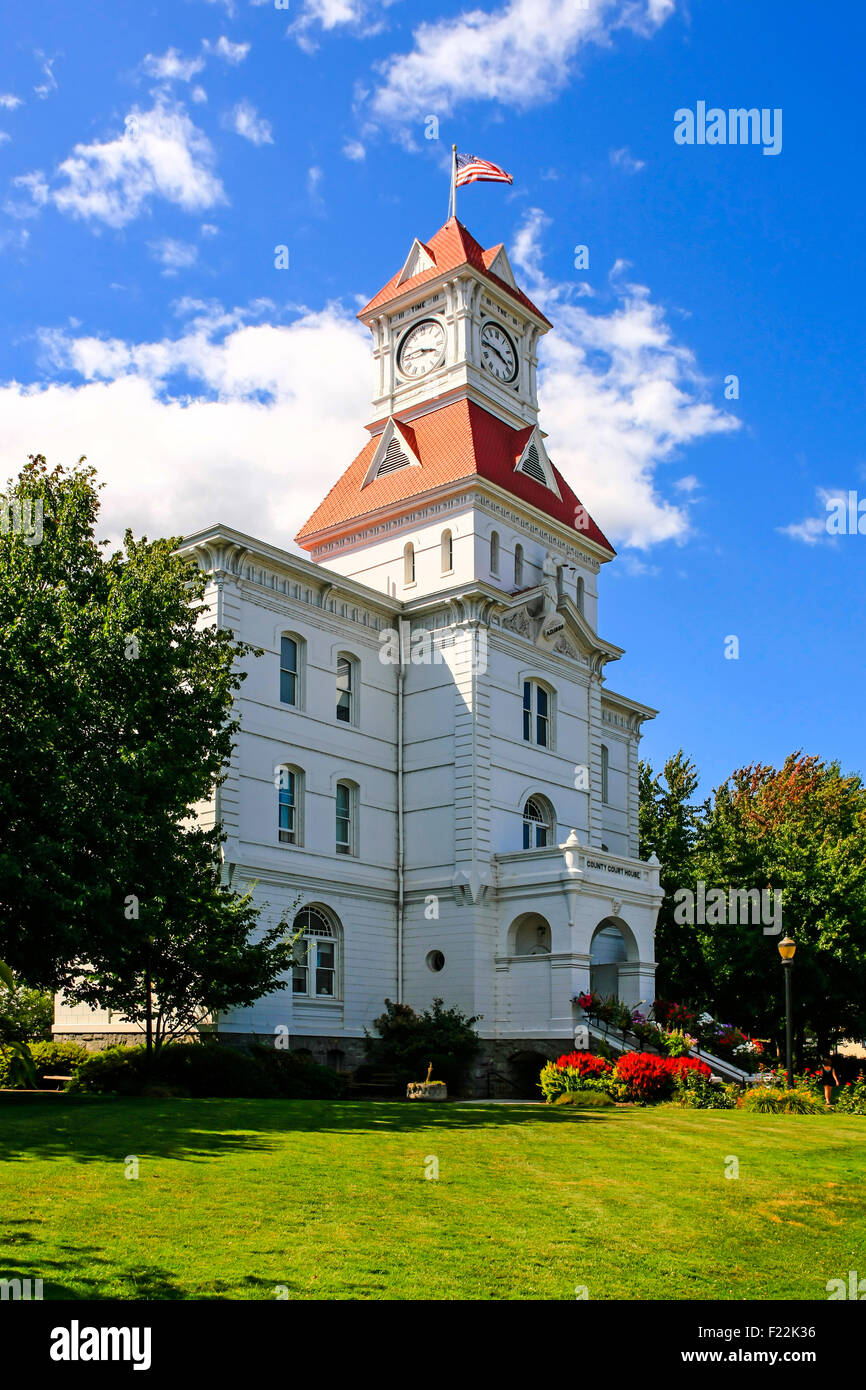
[452, 201]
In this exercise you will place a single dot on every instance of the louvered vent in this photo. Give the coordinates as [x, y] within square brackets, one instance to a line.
[394, 459]
[532, 465]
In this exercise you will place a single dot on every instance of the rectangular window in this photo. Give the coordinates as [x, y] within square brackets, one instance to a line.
[300, 969]
[541, 718]
[527, 714]
[344, 690]
[605, 774]
[287, 822]
[288, 671]
[326, 968]
[344, 819]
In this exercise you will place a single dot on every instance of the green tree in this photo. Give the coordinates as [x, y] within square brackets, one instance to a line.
[118, 699]
[670, 825]
[800, 828]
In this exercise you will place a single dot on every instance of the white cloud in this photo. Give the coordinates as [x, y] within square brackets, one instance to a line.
[362, 16]
[208, 229]
[198, 94]
[160, 154]
[224, 48]
[4, 136]
[173, 255]
[812, 530]
[172, 67]
[353, 149]
[260, 419]
[624, 159]
[8, 101]
[619, 397]
[244, 120]
[44, 89]
[520, 55]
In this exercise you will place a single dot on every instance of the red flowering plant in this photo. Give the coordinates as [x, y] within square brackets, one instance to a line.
[647, 1077]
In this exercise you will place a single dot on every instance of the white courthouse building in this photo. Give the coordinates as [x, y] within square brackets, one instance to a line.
[431, 764]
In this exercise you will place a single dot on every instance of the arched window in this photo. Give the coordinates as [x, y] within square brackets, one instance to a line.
[580, 593]
[291, 651]
[447, 547]
[537, 714]
[538, 822]
[494, 552]
[518, 565]
[408, 563]
[346, 809]
[315, 971]
[531, 936]
[290, 785]
[347, 688]
[605, 774]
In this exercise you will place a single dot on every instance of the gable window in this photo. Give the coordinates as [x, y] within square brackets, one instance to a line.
[518, 565]
[536, 714]
[346, 683]
[345, 818]
[288, 806]
[408, 563]
[494, 552]
[314, 969]
[447, 547]
[288, 671]
[537, 823]
[605, 775]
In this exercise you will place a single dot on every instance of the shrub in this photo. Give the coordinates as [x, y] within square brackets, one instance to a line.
[297, 1077]
[585, 1099]
[49, 1058]
[573, 1071]
[408, 1042]
[851, 1099]
[800, 1101]
[206, 1069]
[695, 1091]
[763, 1100]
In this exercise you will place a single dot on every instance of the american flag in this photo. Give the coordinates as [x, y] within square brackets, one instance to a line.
[471, 169]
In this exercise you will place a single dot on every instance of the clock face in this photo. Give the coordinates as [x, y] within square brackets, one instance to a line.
[422, 349]
[498, 353]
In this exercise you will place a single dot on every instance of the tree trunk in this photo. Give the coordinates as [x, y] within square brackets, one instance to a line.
[148, 989]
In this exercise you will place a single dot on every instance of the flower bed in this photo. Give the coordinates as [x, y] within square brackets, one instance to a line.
[641, 1076]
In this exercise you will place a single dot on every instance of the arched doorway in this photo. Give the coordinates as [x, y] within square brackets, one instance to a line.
[524, 1069]
[608, 951]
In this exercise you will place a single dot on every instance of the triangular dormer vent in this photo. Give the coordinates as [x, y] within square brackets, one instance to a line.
[393, 452]
[532, 465]
[536, 465]
[418, 259]
[393, 458]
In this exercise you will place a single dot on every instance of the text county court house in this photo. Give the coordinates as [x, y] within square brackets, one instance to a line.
[430, 759]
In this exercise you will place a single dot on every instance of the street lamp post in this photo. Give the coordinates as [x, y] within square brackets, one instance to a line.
[787, 947]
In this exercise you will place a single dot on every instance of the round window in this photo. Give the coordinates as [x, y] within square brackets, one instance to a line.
[435, 960]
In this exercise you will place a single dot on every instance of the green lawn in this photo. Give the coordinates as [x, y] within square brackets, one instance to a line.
[330, 1200]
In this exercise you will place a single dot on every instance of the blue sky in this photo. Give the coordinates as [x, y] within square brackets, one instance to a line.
[152, 157]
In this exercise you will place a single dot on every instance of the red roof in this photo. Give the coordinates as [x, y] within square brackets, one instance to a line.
[456, 442]
[451, 247]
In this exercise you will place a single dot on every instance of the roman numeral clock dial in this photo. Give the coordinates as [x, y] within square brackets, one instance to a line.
[498, 353]
[422, 349]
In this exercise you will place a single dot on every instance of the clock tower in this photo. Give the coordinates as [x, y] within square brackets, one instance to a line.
[452, 324]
